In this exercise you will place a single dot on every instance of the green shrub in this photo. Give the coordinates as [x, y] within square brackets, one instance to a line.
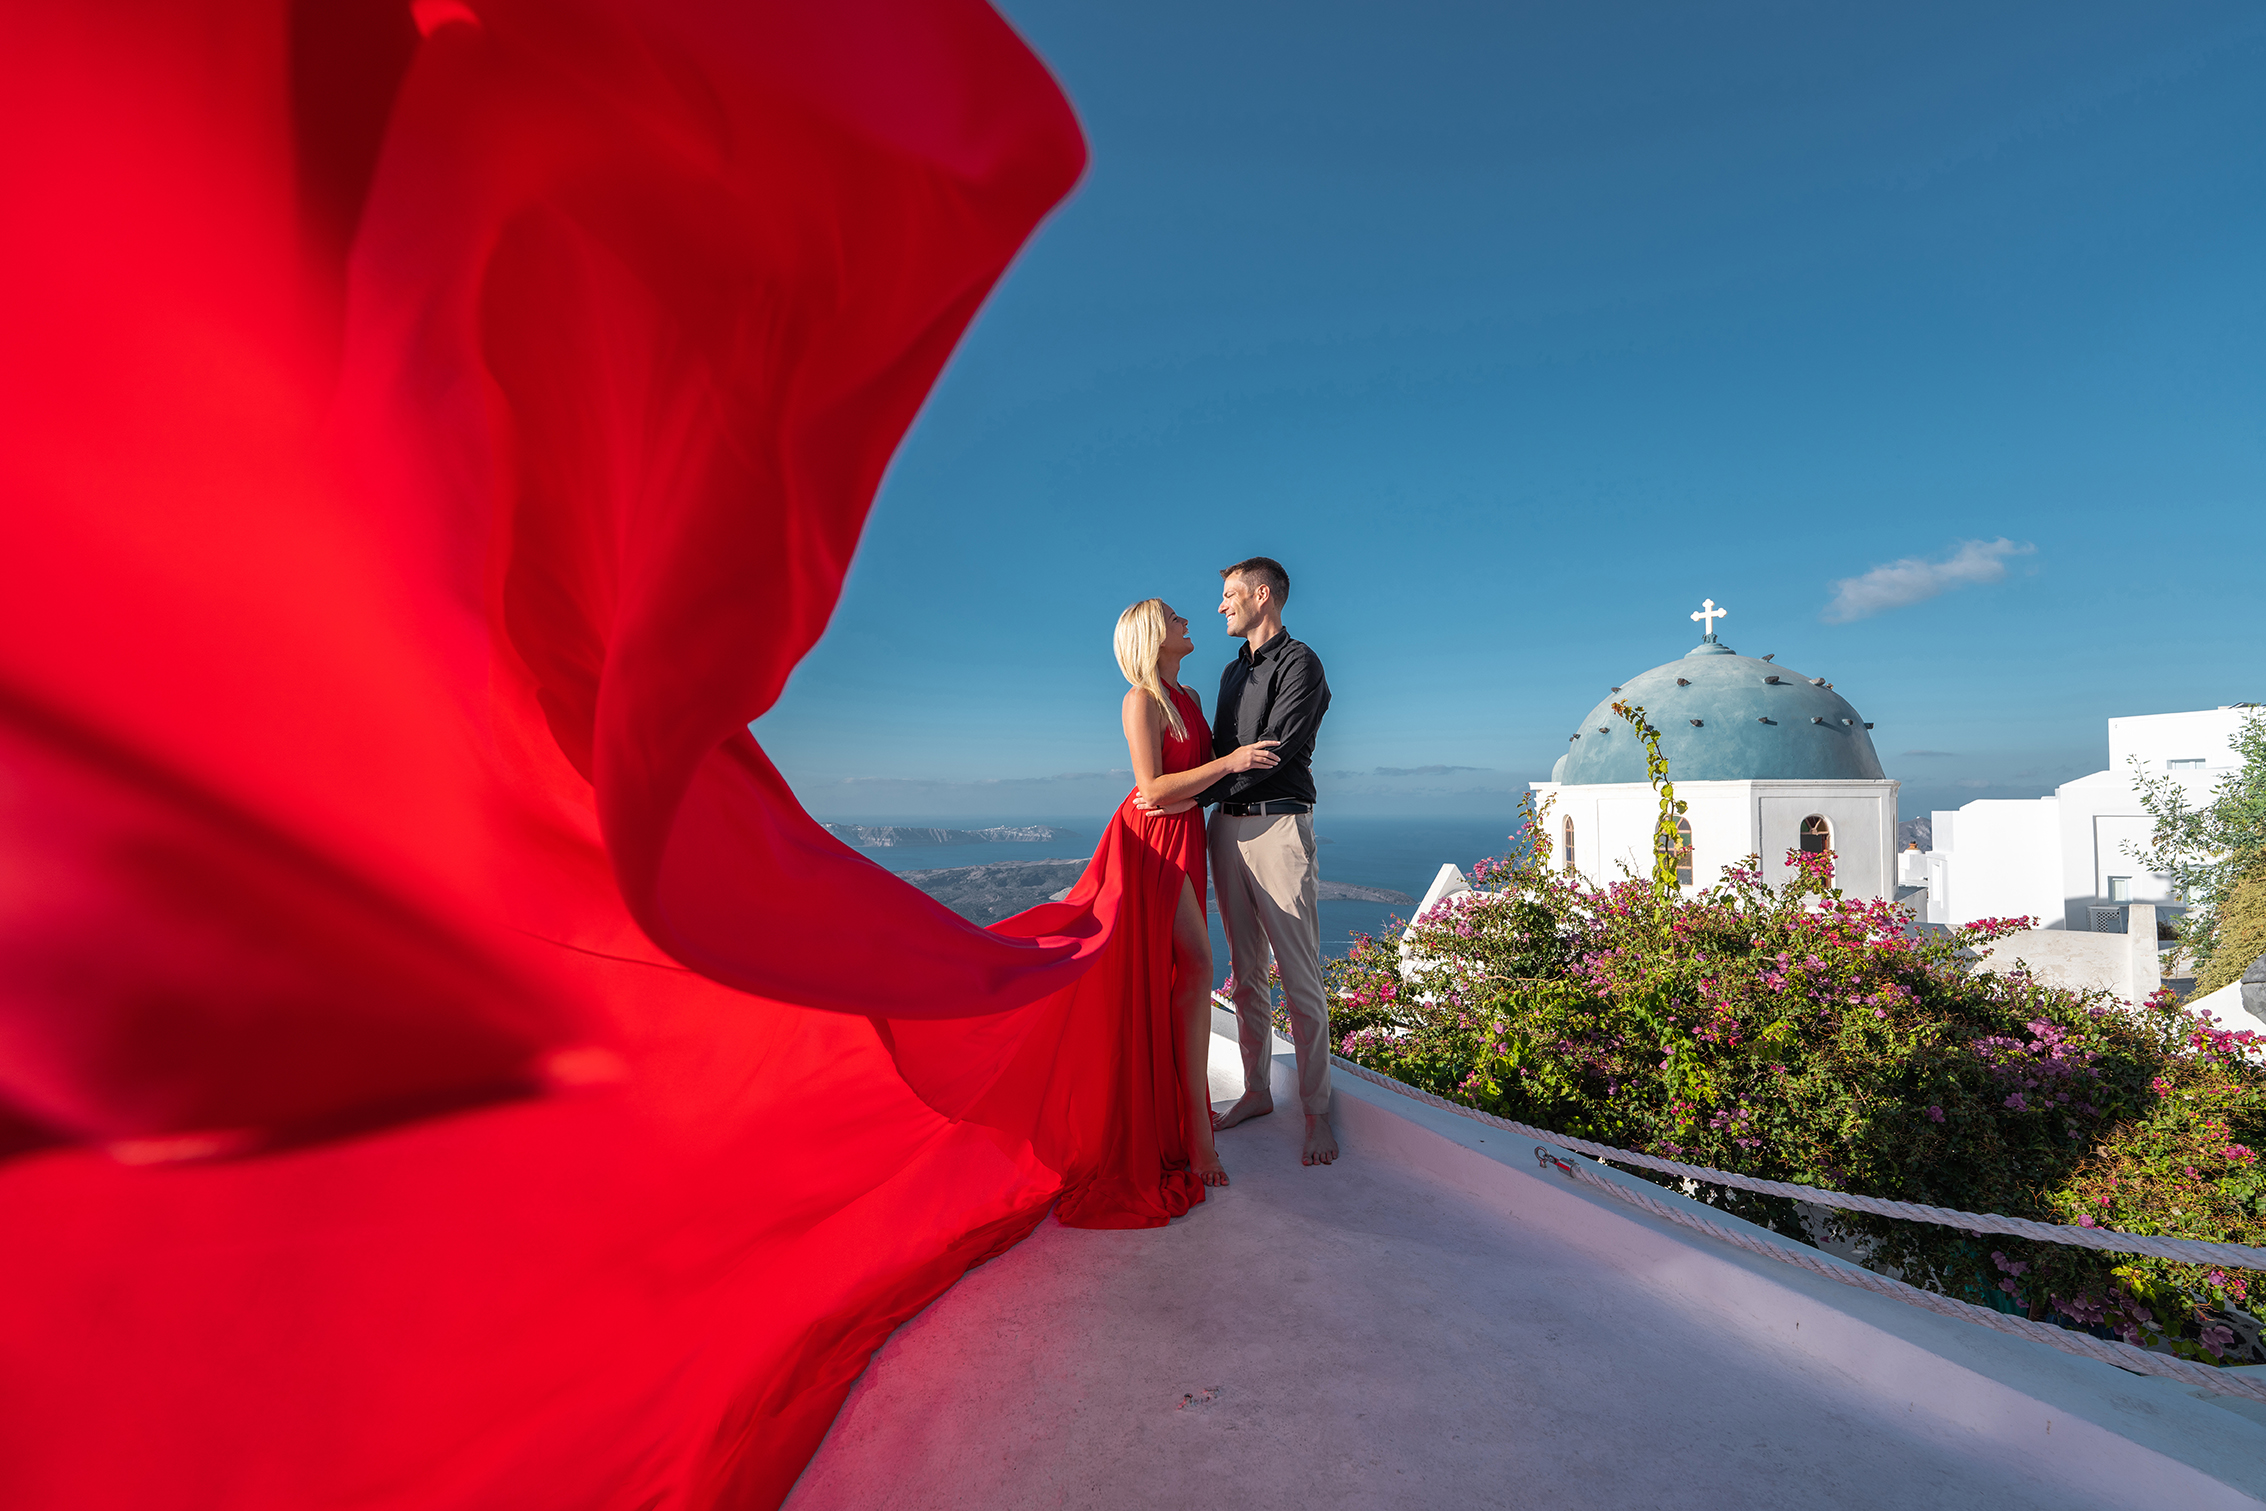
[2186, 1166]
[2241, 934]
[2212, 851]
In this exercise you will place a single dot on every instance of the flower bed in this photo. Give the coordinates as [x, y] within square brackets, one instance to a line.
[1798, 1035]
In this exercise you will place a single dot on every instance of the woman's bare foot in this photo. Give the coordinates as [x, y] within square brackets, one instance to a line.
[1208, 1168]
[1252, 1104]
[1321, 1140]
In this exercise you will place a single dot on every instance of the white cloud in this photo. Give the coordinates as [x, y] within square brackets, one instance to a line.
[1914, 579]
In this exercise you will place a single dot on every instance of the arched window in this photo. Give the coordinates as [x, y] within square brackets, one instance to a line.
[1568, 862]
[1817, 835]
[1681, 848]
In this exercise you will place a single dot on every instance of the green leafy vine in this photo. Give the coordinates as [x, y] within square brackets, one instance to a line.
[1667, 839]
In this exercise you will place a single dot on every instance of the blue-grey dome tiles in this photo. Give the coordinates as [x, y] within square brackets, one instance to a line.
[1722, 718]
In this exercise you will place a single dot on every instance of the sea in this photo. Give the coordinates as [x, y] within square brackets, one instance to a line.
[1404, 854]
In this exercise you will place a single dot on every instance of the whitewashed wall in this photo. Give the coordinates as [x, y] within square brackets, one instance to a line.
[2005, 860]
[2157, 740]
[2052, 858]
[1863, 818]
[1613, 827]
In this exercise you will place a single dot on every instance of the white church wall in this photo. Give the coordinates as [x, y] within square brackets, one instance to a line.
[1614, 828]
[1625, 816]
[1612, 825]
[1562, 805]
[1862, 817]
[1722, 816]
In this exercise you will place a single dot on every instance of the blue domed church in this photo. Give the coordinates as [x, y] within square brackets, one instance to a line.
[1766, 759]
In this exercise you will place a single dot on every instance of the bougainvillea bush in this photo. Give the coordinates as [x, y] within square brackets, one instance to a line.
[1789, 1032]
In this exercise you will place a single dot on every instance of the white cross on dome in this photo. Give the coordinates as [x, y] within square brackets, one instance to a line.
[1707, 614]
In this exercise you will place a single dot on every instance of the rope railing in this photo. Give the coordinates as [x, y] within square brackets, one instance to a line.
[2125, 1356]
[2184, 1250]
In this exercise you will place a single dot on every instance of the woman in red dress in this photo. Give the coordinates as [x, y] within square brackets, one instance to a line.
[1171, 747]
[1104, 1079]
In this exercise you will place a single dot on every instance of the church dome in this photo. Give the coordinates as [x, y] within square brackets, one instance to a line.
[1724, 717]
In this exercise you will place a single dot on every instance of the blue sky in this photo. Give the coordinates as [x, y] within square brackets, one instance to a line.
[1516, 330]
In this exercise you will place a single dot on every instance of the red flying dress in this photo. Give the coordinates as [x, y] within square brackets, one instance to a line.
[1090, 1076]
[1143, 1179]
[441, 1066]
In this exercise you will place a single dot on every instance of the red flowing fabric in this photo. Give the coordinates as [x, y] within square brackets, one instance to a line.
[1090, 1076]
[1117, 1021]
[443, 1066]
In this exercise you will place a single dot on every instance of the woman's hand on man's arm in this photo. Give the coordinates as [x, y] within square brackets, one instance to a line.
[1256, 756]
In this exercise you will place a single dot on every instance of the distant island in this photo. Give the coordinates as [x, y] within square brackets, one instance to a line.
[987, 893]
[1345, 891]
[881, 836]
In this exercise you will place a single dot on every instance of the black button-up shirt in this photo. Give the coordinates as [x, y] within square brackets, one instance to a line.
[1275, 693]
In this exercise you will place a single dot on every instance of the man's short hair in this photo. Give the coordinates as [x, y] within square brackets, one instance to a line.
[1263, 569]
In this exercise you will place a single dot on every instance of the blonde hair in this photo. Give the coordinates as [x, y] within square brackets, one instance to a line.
[1140, 635]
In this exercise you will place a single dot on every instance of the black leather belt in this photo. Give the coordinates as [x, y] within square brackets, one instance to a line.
[1261, 810]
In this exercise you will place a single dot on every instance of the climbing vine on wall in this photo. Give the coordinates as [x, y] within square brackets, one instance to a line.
[1667, 838]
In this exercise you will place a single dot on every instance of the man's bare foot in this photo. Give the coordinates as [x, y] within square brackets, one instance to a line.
[1252, 1104]
[1209, 1170]
[1321, 1140]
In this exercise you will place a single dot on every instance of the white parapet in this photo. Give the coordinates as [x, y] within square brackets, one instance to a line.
[1446, 884]
[2126, 965]
[2143, 963]
[2226, 1005]
[1449, 883]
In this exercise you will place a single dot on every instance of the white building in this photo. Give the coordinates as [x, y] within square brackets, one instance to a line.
[2066, 859]
[1767, 760]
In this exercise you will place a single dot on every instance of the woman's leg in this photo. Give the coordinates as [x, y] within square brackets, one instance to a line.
[1192, 1008]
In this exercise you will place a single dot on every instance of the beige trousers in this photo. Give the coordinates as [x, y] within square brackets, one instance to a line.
[1264, 875]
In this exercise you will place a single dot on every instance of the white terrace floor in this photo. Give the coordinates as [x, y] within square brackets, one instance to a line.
[1434, 1323]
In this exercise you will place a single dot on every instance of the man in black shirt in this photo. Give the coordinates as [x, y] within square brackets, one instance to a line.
[1261, 838]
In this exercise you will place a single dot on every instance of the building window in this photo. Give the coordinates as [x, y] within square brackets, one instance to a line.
[1568, 862]
[1817, 835]
[2120, 889]
[1681, 849]
[2194, 765]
